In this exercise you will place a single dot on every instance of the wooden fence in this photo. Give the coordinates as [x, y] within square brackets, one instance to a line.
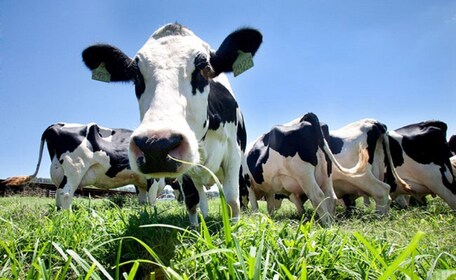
[48, 190]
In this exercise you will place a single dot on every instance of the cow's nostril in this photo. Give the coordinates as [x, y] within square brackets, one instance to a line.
[157, 144]
[151, 153]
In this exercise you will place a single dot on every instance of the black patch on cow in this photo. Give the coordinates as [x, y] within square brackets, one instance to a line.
[303, 139]
[258, 156]
[396, 152]
[325, 131]
[61, 139]
[119, 65]
[452, 144]
[64, 182]
[116, 148]
[335, 144]
[373, 135]
[198, 82]
[175, 185]
[191, 196]
[243, 189]
[241, 134]
[426, 142]
[222, 106]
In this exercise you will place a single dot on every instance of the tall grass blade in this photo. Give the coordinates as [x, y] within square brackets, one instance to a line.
[82, 263]
[133, 270]
[68, 260]
[90, 272]
[98, 265]
[287, 272]
[371, 248]
[401, 258]
[118, 255]
[15, 264]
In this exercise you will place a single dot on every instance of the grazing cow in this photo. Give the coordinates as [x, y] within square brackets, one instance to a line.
[421, 156]
[83, 155]
[187, 109]
[344, 143]
[295, 160]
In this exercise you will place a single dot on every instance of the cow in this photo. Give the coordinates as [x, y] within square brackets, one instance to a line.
[188, 112]
[344, 142]
[294, 159]
[421, 156]
[89, 154]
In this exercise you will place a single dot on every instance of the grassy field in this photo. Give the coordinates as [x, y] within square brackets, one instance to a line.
[119, 239]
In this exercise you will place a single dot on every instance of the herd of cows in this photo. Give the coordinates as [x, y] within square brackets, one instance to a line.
[189, 116]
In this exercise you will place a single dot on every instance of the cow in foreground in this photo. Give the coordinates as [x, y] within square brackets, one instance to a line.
[83, 155]
[187, 109]
[371, 135]
[421, 156]
[295, 160]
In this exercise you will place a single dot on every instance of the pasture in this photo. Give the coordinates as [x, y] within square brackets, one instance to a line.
[118, 239]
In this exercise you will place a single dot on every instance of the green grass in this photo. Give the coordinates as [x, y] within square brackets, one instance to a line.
[100, 240]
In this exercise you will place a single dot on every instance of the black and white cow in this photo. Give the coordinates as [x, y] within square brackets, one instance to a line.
[345, 142]
[295, 160]
[421, 156]
[83, 155]
[187, 109]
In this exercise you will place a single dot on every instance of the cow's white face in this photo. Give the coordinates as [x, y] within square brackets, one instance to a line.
[173, 107]
[172, 73]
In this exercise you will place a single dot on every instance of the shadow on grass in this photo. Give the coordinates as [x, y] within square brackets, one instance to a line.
[160, 239]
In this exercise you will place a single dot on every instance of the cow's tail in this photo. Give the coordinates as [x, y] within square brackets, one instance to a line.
[357, 170]
[399, 181]
[22, 180]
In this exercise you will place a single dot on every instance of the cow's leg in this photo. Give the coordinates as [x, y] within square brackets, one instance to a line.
[328, 190]
[418, 201]
[317, 197]
[191, 199]
[296, 200]
[231, 168]
[441, 183]
[350, 204]
[379, 191]
[253, 199]
[157, 186]
[203, 203]
[142, 194]
[270, 203]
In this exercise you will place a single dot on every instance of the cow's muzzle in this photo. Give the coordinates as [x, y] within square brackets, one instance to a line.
[153, 153]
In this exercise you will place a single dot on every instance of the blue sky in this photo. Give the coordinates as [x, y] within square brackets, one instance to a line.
[394, 61]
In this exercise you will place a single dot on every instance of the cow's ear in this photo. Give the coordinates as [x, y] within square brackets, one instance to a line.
[116, 63]
[245, 40]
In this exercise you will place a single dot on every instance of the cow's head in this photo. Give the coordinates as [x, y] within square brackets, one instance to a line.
[171, 73]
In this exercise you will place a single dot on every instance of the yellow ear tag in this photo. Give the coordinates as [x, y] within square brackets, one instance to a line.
[101, 74]
[243, 63]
